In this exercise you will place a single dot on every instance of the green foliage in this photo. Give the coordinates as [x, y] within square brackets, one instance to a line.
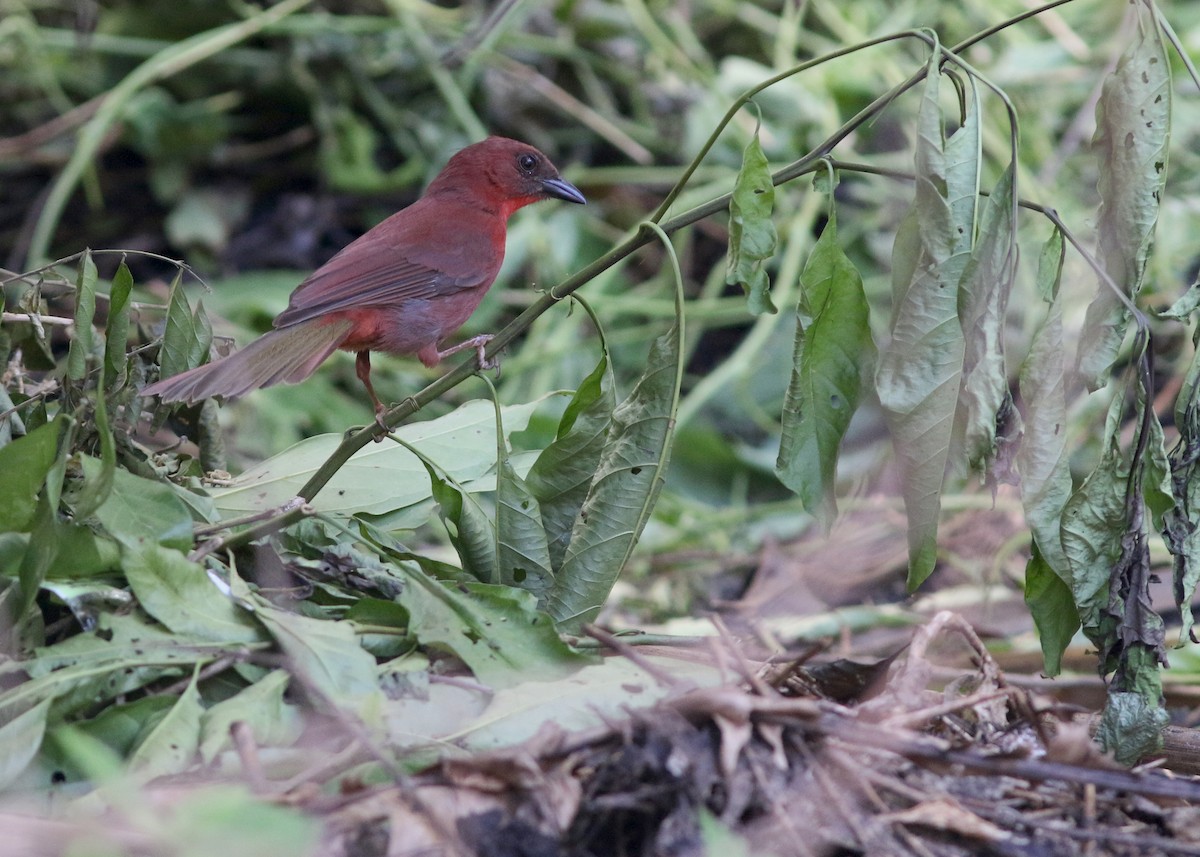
[144, 624]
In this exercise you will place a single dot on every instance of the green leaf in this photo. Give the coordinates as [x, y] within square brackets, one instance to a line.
[495, 630]
[324, 655]
[522, 553]
[186, 338]
[83, 342]
[920, 369]
[1052, 607]
[25, 463]
[380, 478]
[624, 489]
[752, 236]
[139, 509]
[562, 474]
[20, 740]
[983, 307]
[97, 484]
[261, 706]
[116, 329]
[1130, 727]
[470, 529]
[1133, 123]
[833, 347]
[171, 746]
[179, 594]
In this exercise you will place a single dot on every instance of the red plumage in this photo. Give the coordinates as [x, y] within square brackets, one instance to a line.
[402, 287]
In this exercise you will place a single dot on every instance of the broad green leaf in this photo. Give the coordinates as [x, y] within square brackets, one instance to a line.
[920, 369]
[20, 740]
[624, 489]
[983, 307]
[116, 328]
[752, 236]
[562, 474]
[324, 655]
[171, 746]
[1052, 606]
[186, 338]
[124, 726]
[380, 477]
[45, 541]
[522, 553]
[832, 349]
[1133, 123]
[495, 630]
[261, 706]
[25, 463]
[179, 594]
[83, 342]
[139, 509]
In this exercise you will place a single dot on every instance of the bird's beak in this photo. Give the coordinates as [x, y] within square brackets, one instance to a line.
[562, 189]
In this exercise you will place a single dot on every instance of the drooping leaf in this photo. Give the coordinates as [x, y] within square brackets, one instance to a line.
[1130, 727]
[752, 236]
[470, 529]
[920, 369]
[983, 306]
[1043, 463]
[1181, 526]
[116, 328]
[179, 594]
[45, 541]
[833, 349]
[97, 484]
[85, 310]
[1133, 122]
[1052, 606]
[562, 474]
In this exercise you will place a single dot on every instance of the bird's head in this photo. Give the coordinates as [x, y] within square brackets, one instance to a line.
[507, 173]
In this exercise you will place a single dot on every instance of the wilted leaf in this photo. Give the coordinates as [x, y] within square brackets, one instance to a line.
[1133, 123]
[920, 369]
[186, 338]
[522, 553]
[752, 235]
[1130, 727]
[261, 706]
[983, 307]
[833, 347]
[1181, 526]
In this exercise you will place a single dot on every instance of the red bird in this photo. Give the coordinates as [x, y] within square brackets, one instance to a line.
[402, 287]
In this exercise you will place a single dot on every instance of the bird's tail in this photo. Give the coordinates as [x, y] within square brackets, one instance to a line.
[283, 356]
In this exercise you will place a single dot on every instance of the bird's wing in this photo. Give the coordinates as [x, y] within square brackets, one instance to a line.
[367, 274]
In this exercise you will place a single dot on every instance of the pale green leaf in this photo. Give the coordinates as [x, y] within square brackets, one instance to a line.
[752, 236]
[25, 463]
[171, 746]
[83, 341]
[324, 655]
[183, 345]
[139, 509]
[116, 328]
[20, 740]
[272, 721]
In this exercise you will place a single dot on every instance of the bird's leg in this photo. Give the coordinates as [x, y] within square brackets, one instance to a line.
[362, 368]
[479, 343]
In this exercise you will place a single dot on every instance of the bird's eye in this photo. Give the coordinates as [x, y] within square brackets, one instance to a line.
[527, 162]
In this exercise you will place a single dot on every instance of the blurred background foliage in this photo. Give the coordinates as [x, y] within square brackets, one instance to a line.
[259, 161]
